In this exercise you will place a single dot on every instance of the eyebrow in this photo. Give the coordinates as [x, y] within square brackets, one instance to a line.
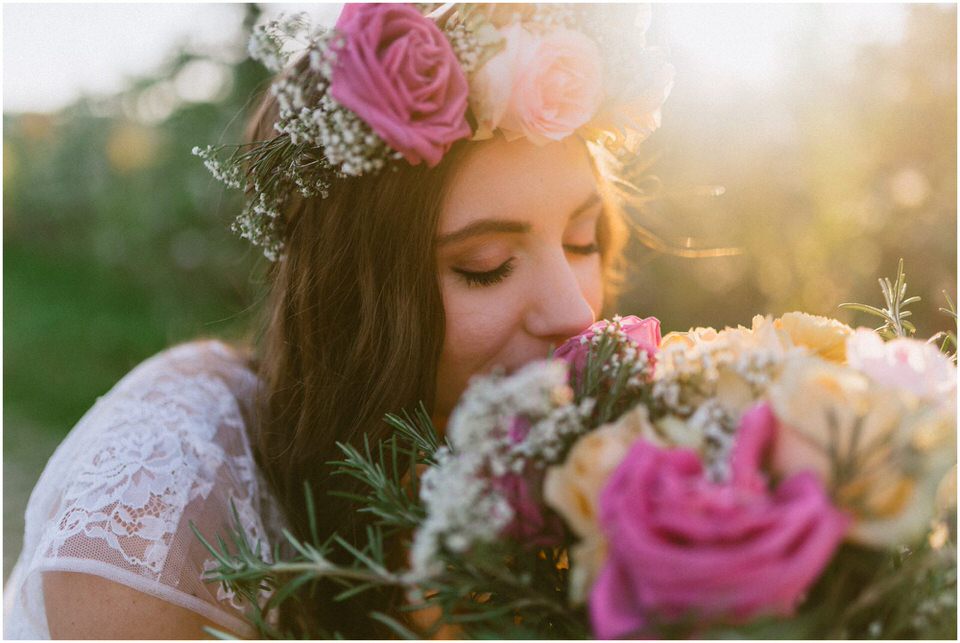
[487, 226]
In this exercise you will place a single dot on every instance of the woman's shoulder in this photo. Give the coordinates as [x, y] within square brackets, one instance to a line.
[189, 362]
[199, 391]
[164, 436]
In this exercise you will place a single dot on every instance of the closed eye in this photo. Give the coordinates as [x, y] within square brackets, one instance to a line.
[489, 277]
[583, 250]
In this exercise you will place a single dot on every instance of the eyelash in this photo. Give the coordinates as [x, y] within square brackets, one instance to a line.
[489, 278]
[501, 272]
[588, 249]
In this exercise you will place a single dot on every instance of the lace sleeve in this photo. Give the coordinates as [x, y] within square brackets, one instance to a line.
[166, 448]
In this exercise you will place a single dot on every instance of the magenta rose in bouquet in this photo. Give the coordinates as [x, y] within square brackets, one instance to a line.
[681, 545]
[397, 71]
[533, 523]
[644, 333]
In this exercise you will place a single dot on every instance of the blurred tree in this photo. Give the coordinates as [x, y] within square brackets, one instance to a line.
[108, 189]
[116, 246]
[830, 177]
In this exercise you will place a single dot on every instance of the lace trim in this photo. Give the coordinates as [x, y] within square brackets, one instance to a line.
[148, 463]
[158, 443]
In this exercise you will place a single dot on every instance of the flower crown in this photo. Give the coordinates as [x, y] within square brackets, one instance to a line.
[394, 83]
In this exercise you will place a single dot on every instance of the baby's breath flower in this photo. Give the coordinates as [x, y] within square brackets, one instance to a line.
[267, 40]
[463, 506]
[229, 174]
[260, 223]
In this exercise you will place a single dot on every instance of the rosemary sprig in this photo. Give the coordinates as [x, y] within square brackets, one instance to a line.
[947, 337]
[894, 315]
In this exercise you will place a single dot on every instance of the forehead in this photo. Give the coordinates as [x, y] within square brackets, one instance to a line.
[518, 180]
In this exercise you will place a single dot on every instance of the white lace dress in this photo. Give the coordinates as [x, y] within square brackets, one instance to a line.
[166, 447]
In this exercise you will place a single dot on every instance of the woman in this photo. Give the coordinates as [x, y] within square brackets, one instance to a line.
[410, 265]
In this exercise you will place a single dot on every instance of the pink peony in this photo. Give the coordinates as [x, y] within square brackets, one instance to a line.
[398, 73]
[643, 332]
[541, 86]
[680, 545]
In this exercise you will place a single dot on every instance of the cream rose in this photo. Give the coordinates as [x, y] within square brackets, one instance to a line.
[688, 339]
[881, 453]
[573, 489]
[735, 363]
[824, 336]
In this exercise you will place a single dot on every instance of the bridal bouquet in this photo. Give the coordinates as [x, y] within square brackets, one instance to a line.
[708, 478]
[792, 479]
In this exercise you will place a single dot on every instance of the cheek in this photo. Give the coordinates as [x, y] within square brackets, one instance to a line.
[590, 277]
[483, 324]
[479, 323]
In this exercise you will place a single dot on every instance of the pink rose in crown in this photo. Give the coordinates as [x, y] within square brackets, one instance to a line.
[680, 545]
[645, 333]
[541, 86]
[398, 73]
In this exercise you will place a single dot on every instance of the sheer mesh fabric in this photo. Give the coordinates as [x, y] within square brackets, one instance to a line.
[166, 447]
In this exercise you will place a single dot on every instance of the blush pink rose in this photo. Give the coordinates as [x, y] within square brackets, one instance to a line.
[541, 86]
[680, 545]
[904, 363]
[645, 333]
[398, 73]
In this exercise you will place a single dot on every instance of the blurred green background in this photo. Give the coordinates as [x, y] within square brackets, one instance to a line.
[116, 244]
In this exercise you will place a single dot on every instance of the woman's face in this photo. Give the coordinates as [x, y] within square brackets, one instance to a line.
[517, 257]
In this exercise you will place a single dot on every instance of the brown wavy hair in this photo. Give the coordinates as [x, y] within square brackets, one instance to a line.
[354, 329]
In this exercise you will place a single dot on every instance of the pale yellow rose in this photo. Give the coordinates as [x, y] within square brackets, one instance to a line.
[573, 489]
[588, 556]
[675, 432]
[733, 392]
[877, 450]
[824, 336]
[733, 366]
[763, 342]
[915, 498]
[762, 335]
[689, 338]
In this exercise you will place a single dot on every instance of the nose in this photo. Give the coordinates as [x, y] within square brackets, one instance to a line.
[558, 308]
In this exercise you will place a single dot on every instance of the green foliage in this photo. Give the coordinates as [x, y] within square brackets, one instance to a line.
[391, 478]
[948, 337]
[419, 431]
[894, 314]
[606, 378]
[242, 568]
